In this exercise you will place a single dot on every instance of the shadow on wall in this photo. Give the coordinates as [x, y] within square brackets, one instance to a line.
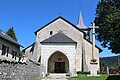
[113, 77]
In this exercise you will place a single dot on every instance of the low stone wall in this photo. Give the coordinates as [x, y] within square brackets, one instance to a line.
[19, 71]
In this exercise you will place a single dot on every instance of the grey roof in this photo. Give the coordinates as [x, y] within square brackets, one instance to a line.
[79, 29]
[80, 22]
[33, 44]
[58, 38]
[8, 38]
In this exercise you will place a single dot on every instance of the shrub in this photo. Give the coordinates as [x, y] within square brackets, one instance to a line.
[80, 72]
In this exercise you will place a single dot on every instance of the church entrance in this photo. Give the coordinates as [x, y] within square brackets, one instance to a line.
[58, 63]
[59, 67]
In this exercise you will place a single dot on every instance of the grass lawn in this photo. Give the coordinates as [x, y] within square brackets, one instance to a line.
[102, 77]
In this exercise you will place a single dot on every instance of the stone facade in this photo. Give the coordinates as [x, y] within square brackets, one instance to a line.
[87, 51]
[18, 71]
[79, 55]
[68, 30]
[29, 52]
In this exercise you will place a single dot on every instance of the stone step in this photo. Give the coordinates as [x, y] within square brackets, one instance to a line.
[56, 76]
[53, 79]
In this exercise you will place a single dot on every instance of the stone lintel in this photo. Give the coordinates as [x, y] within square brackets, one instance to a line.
[93, 62]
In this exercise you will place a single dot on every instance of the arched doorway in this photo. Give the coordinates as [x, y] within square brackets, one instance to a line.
[58, 63]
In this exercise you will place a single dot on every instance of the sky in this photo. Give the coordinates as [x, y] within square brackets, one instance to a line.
[27, 16]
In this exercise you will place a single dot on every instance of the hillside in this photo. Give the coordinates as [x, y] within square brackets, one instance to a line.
[110, 61]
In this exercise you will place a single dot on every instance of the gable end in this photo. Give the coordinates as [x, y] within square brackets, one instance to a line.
[62, 19]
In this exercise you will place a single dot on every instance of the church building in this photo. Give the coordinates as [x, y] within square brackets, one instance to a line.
[62, 47]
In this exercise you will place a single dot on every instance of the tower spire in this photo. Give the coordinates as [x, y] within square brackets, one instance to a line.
[80, 23]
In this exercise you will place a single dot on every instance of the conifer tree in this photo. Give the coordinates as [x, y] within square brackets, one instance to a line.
[11, 33]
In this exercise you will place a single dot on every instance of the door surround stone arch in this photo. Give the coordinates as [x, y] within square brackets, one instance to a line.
[58, 62]
[68, 50]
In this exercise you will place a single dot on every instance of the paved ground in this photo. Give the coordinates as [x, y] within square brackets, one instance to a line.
[56, 77]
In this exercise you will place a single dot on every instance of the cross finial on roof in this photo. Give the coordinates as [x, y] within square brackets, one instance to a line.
[80, 23]
[60, 13]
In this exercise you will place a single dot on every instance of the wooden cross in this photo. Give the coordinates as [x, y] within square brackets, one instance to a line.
[93, 39]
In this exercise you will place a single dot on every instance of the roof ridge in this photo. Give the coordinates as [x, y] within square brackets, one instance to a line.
[58, 38]
[62, 19]
[7, 37]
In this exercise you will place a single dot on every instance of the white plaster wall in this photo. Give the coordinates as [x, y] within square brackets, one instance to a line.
[11, 47]
[67, 49]
[88, 52]
[29, 54]
[68, 30]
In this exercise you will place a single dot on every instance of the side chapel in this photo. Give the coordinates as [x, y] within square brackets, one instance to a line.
[62, 47]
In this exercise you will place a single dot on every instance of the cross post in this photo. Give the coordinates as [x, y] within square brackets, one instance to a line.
[93, 39]
[93, 63]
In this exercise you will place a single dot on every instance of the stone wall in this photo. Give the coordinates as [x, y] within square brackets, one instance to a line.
[19, 71]
[60, 25]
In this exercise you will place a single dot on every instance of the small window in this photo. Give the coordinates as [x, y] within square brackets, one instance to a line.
[51, 32]
[5, 50]
[14, 54]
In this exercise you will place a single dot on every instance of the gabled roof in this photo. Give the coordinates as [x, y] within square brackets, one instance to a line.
[71, 25]
[8, 38]
[95, 45]
[33, 44]
[58, 38]
[63, 20]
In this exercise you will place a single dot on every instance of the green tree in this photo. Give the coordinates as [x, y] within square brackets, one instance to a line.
[11, 33]
[108, 20]
[102, 63]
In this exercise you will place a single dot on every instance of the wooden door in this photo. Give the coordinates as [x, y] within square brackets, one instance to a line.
[59, 67]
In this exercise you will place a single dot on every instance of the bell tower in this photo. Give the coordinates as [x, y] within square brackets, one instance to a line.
[84, 28]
